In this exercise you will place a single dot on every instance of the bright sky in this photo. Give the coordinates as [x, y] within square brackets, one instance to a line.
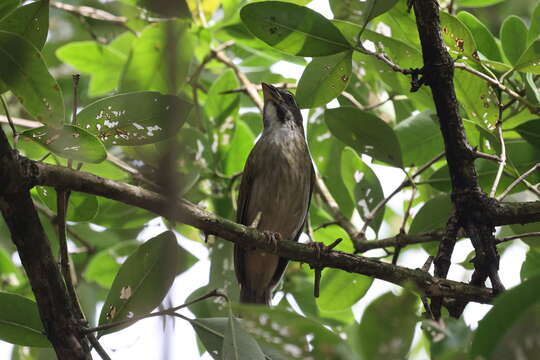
[145, 339]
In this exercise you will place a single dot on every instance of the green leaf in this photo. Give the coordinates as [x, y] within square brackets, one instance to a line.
[386, 328]
[10, 275]
[293, 29]
[530, 131]
[24, 71]
[449, 342]
[219, 106]
[433, 215]
[340, 290]
[103, 266]
[531, 265]
[513, 37]
[477, 97]
[239, 148]
[484, 39]
[167, 8]
[324, 79]
[6, 6]
[92, 58]
[30, 21]
[515, 308]
[360, 12]
[532, 242]
[142, 281]
[477, 3]
[20, 322]
[238, 344]
[534, 28]
[363, 186]
[366, 133]
[82, 207]
[529, 61]
[420, 138]
[521, 157]
[151, 63]
[290, 330]
[457, 36]
[135, 118]
[326, 153]
[70, 142]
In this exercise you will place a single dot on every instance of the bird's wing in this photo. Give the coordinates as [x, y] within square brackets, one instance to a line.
[241, 214]
[282, 263]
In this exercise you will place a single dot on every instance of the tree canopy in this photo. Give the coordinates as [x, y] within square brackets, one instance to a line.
[119, 113]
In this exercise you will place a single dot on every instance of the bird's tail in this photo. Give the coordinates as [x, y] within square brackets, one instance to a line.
[250, 296]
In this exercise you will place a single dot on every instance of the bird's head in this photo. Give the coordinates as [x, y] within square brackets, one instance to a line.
[280, 108]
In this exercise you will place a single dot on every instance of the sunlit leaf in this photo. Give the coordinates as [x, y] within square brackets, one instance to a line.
[513, 38]
[154, 63]
[293, 29]
[324, 79]
[485, 41]
[81, 206]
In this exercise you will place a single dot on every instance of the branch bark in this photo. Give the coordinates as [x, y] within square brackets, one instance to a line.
[188, 213]
[60, 322]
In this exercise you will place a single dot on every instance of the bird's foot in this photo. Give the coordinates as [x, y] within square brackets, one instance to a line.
[320, 248]
[272, 238]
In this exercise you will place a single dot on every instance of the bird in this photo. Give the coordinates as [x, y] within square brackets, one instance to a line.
[274, 195]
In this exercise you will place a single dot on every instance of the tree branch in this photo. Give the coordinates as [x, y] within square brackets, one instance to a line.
[188, 213]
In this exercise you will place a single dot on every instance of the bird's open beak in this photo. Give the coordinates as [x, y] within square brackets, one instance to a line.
[270, 93]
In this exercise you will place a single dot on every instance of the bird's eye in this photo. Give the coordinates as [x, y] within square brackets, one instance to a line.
[289, 98]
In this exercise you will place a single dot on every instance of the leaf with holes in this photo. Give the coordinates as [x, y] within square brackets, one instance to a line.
[324, 79]
[293, 29]
[25, 73]
[135, 118]
[364, 132]
[457, 36]
[142, 281]
[70, 142]
[20, 322]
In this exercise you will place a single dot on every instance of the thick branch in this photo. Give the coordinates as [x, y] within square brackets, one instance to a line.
[193, 215]
[60, 323]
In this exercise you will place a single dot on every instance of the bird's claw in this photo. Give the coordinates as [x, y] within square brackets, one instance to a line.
[272, 238]
[319, 248]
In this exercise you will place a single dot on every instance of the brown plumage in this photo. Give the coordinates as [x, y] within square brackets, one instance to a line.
[276, 188]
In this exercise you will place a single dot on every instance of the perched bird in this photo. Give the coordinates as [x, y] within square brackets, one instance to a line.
[275, 193]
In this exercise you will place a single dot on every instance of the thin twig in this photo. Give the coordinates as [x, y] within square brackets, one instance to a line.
[532, 108]
[10, 120]
[518, 236]
[369, 218]
[170, 311]
[517, 181]
[90, 12]
[250, 88]
[502, 157]
[382, 57]
[482, 155]
[99, 349]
